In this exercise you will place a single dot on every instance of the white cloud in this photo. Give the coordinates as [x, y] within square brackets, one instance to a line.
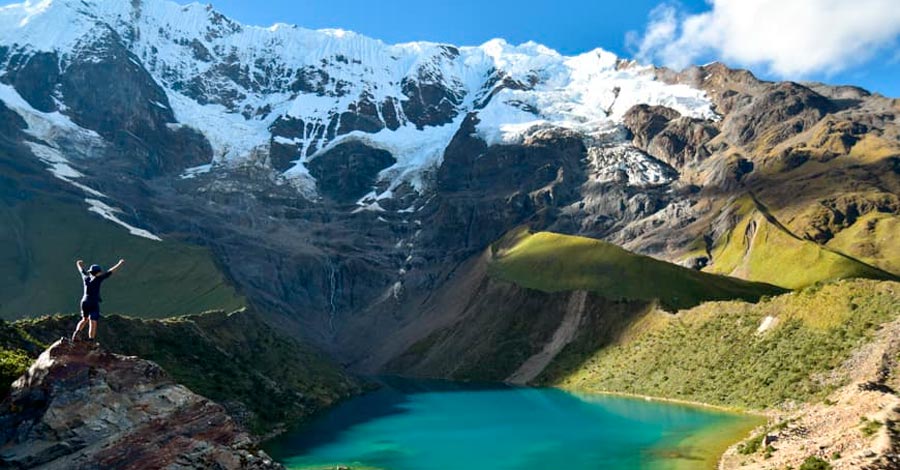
[792, 38]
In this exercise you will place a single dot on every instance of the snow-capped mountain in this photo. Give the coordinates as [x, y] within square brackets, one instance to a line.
[348, 184]
[285, 95]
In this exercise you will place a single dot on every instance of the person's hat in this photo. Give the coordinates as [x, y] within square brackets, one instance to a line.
[95, 268]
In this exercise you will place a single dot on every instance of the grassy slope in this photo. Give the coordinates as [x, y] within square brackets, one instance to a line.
[40, 239]
[844, 175]
[759, 249]
[874, 238]
[713, 353]
[262, 376]
[551, 262]
[17, 350]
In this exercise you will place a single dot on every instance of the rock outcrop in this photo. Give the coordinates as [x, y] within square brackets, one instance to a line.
[265, 379]
[668, 136]
[81, 407]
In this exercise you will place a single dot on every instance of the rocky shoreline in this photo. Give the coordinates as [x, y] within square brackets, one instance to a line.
[856, 427]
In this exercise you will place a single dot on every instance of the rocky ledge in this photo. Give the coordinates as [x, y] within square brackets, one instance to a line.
[81, 407]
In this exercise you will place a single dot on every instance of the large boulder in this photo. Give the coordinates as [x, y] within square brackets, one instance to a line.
[81, 407]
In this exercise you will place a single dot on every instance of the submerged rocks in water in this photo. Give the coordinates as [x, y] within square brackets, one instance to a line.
[82, 407]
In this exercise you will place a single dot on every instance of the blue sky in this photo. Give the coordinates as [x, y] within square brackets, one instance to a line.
[569, 26]
[573, 26]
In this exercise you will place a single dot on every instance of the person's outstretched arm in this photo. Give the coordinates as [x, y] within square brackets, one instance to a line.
[117, 266]
[80, 265]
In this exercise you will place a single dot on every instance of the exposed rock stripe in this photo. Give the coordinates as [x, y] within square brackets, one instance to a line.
[536, 364]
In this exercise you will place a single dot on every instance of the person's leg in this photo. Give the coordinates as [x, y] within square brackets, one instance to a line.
[92, 332]
[79, 327]
[85, 312]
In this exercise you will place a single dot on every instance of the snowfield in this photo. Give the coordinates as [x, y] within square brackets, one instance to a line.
[53, 132]
[513, 89]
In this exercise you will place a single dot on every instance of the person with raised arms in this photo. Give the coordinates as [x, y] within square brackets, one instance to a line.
[93, 278]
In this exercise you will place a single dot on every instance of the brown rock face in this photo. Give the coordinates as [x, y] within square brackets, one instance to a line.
[668, 136]
[80, 407]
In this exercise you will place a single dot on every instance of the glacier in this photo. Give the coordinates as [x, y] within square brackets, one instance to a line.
[198, 56]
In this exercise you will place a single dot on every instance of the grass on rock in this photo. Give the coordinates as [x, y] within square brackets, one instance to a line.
[759, 250]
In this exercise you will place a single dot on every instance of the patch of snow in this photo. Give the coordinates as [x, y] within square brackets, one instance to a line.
[109, 213]
[40, 124]
[158, 104]
[59, 167]
[626, 164]
[194, 171]
[767, 324]
[284, 140]
[42, 26]
[585, 93]
[300, 178]
[53, 131]
[232, 137]
[417, 151]
[368, 207]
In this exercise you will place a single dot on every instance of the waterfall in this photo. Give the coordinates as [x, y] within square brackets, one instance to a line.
[332, 292]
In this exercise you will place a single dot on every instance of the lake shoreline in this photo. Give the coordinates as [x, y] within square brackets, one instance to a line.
[683, 454]
[768, 414]
[380, 431]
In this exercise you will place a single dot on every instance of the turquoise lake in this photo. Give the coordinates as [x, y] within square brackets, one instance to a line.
[434, 425]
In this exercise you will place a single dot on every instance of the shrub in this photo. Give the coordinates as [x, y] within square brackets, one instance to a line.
[751, 446]
[869, 428]
[814, 463]
[13, 363]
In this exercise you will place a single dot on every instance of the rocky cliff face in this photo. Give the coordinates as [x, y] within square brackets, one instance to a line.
[340, 181]
[80, 407]
[265, 379]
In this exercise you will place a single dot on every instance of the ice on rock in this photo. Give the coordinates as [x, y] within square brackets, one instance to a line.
[177, 44]
[110, 213]
[52, 131]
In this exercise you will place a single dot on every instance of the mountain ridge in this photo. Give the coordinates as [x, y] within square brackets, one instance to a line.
[394, 195]
[360, 197]
[276, 76]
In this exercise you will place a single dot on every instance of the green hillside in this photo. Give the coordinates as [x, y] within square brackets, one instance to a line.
[551, 262]
[17, 350]
[41, 237]
[715, 353]
[263, 377]
[874, 237]
[760, 249]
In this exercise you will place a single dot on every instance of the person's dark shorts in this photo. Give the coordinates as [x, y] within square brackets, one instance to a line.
[90, 310]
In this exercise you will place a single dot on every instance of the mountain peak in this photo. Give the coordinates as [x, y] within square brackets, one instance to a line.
[286, 95]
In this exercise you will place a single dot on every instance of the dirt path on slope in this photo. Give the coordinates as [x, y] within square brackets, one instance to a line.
[563, 335]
